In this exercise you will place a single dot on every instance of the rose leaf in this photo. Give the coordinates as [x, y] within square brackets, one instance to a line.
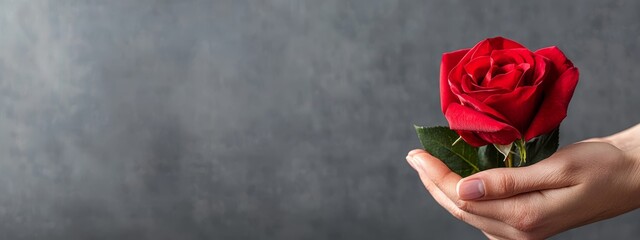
[542, 147]
[489, 157]
[461, 158]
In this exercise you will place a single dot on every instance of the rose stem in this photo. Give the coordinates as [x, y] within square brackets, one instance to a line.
[523, 151]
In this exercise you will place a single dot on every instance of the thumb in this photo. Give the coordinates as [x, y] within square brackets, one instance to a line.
[500, 183]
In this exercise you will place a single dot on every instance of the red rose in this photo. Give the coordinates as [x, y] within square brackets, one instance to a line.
[499, 91]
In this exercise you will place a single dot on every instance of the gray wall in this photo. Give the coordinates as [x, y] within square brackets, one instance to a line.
[264, 119]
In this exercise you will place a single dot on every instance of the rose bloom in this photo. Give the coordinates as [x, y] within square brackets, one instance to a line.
[499, 91]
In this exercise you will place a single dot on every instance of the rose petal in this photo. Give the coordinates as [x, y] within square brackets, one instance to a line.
[518, 106]
[471, 138]
[488, 129]
[458, 70]
[449, 60]
[477, 68]
[468, 85]
[472, 102]
[484, 94]
[506, 68]
[504, 43]
[554, 106]
[540, 71]
[477, 92]
[483, 48]
[527, 74]
[508, 80]
[560, 61]
[515, 55]
[486, 47]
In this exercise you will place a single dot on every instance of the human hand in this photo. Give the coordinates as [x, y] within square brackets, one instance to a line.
[582, 183]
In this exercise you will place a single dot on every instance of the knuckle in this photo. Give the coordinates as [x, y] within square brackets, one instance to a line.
[507, 183]
[569, 168]
[526, 221]
[436, 182]
[459, 214]
[431, 187]
[523, 226]
[428, 186]
[463, 205]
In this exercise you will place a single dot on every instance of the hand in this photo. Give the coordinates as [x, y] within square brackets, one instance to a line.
[582, 183]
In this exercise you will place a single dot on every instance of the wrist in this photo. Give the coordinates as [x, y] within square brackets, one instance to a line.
[627, 140]
[634, 157]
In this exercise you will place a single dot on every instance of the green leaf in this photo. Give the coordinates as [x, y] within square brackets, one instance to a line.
[542, 147]
[489, 157]
[461, 158]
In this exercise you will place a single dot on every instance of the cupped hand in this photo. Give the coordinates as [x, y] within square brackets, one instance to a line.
[580, 184]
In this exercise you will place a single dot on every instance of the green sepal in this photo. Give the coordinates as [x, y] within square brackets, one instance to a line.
[504, 149]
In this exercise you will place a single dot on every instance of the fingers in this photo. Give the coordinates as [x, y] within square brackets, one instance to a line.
[490, 184]
[520, 202]
[501, 183]
[490, 226]
[441, 182]
[441, 176]
[444, 193]
[414, 151]
[523, 212]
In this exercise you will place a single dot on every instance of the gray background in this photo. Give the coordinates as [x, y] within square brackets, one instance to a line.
[264, 119]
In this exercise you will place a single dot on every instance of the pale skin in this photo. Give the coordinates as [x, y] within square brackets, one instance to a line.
[581, 183]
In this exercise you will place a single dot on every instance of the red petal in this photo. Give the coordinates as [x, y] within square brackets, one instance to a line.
[540, 71]
[467, 85]
[484, 48]
[556, 56]
[518, 106]
[472, 139]
[508, 80]
[517, 55]
[554, 106]
[504, 43]
[478, 67]
[472, 102]
[449, 60]
[488, 129]
[476, 92]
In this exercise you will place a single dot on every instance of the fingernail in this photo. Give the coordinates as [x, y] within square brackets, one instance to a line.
[410, 161]
[412, 152]
[417, 162]
[471, 189]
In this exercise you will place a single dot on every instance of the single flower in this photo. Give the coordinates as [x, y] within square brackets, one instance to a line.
[505, 101]
[500, 92]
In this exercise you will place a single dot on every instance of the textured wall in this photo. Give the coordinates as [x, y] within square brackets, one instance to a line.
[264, 119]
